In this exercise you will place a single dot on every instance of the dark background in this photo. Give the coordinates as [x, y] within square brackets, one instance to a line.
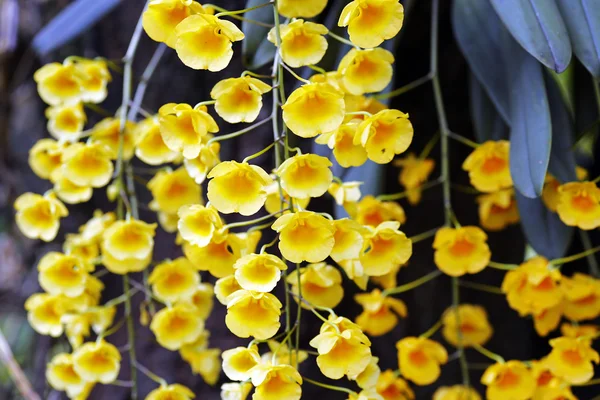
[22, 123]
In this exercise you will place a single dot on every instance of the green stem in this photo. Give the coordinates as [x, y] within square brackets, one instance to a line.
[130, 336]
[298, 313]
[505, 267]
[432, 330]
[492, 356]
[592, 262]
[151, 374]
[583, 254]
[294, 74]
[330, 387]
[342, 40]
[401, 195]
[463, 140]
[424, 235]
[481, 287]
[245, 10]
[259, 153]
[204, 103]
[251, 222]
[414, 284]
[240, 132]
[429, 146]
[404, 89]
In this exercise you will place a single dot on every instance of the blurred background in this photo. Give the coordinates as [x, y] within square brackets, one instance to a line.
[104, 28]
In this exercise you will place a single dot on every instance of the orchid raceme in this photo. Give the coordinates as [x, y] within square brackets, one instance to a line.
[289, 176]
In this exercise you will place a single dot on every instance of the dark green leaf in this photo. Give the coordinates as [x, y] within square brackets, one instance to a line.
[487, 123]
[531, 127]
[78, 16]
[582, 18]
[539, 28]
[256, 49]
[562, 158]
[543, 229]
[478, 31]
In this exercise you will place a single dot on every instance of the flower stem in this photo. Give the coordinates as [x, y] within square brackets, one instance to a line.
[240, 132]
[401, 195]
[505, 267]
[342, 40]
[259, 153]
[463, 140]
[575, 257]
[404, 89]
[245, 10]
[432, 330]
[424, 235]
[481, 287]
[294, 74]
[330, 387]
[489, 354]
[252, 221]
[414, 284]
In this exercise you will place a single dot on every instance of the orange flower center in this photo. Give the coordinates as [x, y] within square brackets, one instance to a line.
[468, 328]
[544, 378]
[546, 284]
[493, 165]
[496, 209]
[572, 357]
[587, 300]
[583, 202]
[462, 248]
[418, 357]
[508, 379]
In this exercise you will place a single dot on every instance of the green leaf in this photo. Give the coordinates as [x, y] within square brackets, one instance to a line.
[478, 31]
[539, 28]
[487, 123]
[543, 229]
[582, 18]
[531, 127]
[562, 159]
[256, 49]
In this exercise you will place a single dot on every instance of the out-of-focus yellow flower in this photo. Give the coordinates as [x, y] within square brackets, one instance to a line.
[185, 129]
[389, 280]
[171, 392]
[547, 319]
[97, 361]
[204, 41]
[571, 359]
[177, 325]
[415, 171]
[283, 354]
[356, 103]
[581, 297]
[349, 239]
[345, 351]
[65, 122]
[474, 325]
[200, 166]
[304, 8]
[44, 312]
[304, 236]
[273, 202]
[45, 157]
[239, 99]
[532, 287]
[498, 209]
[108, 132]
[93, 229]
[202, 299]
[550, 194]
[77, 325]
[366, 71]
[380, 313]
[366, 394]
[58, 84]
[579, 204]
[462, 250]
[238, 187]
[174, 281]
[385, 134]
[259, 272]
[38, 217]
[456, 392]
[235, 391]
[127, 246]
[345, 192]
[198, 224]
[238, 362]
[367, 379]
[509, 380]
[173, 189]
[251, 313]
[77, 246]
[370, 22]
[392, 387]
[372, 212]
[90, 297]
[320, 285]
[217, 257]
[386, 247]
[302, 43]
[87, 164]
[313, 109]
[69, 192]
[150, 146]
[341, 140]
[162, 17]
[95, 76]
[545, 380]
[420, 358]
[226, 286]
[276, 382]
[63, 274]
[488, 166]
[62, 376]
[355, 271]
[207, 363]
[305, 175]
[575, 331]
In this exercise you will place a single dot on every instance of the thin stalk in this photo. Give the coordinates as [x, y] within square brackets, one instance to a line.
[505, 267]
[491, 355]
[424, 235]
[259, 153]
[294, 74]
[401, 195]
[330, 387]
[463, 140]
[575, 257]
[151, 374]
[432, 330]
[404, 89]
[481, 287]
[240, 132]
[251, 222]
[342, 40]
[245, 10]
[429, 146]
[140, 91]
[414, 284]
